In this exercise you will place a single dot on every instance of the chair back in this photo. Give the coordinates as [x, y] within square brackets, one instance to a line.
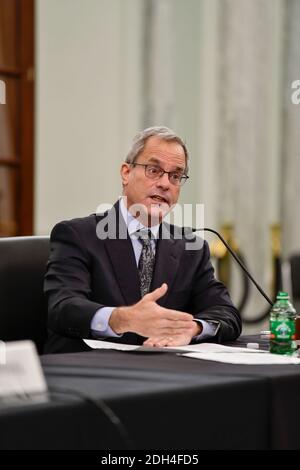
[23, 310]
[295, 275]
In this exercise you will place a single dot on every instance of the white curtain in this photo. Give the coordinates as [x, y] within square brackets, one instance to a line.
[291, 141]
[244, 136]
[249, 125]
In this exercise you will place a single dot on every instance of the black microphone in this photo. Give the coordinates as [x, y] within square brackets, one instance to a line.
[236, 259]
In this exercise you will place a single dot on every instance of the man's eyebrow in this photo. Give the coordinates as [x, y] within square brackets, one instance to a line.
[154, 160]
[158, 162]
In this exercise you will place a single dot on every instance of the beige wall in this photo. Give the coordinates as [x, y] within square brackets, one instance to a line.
[87, 103]
[90, 99]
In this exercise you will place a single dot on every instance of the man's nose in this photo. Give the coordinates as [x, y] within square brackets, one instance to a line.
[163, 181]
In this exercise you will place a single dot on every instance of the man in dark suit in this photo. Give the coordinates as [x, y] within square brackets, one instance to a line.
[126, 275]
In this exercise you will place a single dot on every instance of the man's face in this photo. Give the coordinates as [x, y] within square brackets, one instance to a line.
[157, 196]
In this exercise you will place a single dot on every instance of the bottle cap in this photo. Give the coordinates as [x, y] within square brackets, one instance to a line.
[253, 345]
[282, 296]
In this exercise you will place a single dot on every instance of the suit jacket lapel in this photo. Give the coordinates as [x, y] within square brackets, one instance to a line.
[121, 254]
[122, 258]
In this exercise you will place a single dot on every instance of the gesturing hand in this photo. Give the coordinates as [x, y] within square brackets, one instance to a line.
[178, 339]
[149, 319]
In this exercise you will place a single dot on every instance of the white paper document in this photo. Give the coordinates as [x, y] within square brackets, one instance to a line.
[97, 344]
[205, 351]
[217, 348]
[201, 347]
[244, 358]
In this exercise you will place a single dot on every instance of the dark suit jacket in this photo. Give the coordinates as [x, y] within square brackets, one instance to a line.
[85, 273]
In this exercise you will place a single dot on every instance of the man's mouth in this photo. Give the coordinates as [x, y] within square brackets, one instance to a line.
[159, 199]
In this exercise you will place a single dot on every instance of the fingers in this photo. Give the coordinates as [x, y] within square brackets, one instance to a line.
[167, 333]
[168, 314]
[157, 293]
[170, 330]
[157, 342]
[168, 341]
[177, 316]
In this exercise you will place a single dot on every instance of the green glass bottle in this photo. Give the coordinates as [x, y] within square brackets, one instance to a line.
[282, 325]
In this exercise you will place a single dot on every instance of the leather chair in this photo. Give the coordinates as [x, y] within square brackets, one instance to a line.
[295, 279]
[23, 310]
[295, 274]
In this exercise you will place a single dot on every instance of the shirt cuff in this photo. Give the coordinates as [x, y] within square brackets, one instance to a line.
[208, 330]
[99, 324]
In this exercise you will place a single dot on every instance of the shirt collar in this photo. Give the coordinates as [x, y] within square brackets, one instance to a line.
[133, 224]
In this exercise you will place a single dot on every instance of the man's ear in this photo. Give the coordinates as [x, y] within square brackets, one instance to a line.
[125, 172]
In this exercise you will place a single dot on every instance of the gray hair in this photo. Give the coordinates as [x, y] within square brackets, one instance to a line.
[163, 133]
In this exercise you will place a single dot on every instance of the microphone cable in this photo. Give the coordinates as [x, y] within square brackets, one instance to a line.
[101, 408]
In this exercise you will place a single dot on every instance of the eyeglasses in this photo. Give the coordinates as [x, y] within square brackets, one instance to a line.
[155, 172]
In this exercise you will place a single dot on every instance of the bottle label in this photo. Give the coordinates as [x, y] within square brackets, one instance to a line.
[282, 330]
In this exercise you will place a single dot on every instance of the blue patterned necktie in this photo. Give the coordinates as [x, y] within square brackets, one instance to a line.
[146, 262]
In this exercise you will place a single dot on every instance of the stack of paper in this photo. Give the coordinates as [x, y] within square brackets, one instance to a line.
[206, 351]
